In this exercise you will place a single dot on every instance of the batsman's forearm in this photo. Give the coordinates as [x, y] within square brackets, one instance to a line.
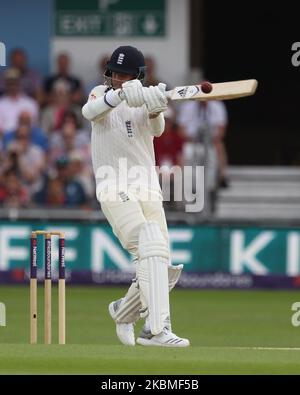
[96, 109]
[157, 125]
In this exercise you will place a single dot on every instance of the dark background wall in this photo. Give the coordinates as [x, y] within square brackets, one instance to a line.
[253, 39]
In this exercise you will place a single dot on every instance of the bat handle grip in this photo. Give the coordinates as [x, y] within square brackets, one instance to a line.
[162, 88]
[168, 94]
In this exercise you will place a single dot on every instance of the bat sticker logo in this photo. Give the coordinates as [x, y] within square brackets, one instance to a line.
[182, 92]
[188, 91]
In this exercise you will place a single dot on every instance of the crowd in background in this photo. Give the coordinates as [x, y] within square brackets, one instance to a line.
[45, 155]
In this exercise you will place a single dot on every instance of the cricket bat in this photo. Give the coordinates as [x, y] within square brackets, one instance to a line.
[220, 91]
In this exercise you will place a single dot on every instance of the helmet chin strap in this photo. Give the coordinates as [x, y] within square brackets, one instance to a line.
[107, 77]
[107, 80]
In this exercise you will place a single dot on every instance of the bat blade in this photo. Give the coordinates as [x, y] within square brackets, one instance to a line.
[220, 91]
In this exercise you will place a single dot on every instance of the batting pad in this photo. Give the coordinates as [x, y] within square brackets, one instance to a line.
[128, 310]
[152, 273]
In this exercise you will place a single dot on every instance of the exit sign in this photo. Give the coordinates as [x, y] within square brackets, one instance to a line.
[110, 18]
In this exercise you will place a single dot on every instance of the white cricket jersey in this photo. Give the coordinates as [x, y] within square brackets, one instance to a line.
[123, 135]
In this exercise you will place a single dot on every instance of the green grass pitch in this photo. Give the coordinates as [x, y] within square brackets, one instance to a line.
[231, 332]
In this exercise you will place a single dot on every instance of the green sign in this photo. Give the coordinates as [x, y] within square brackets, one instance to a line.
[226, 249]
[110, 18]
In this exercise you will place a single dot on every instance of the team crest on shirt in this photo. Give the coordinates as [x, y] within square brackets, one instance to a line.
[92, 96]
[129, 128]
[124, 197]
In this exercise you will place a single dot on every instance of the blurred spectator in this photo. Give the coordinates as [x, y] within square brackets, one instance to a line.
[12, 192]
[63, 73]
[169, 146]
[81, 171]
[30, 80]
[70, 137]
[151, 77]
[62, 187]
[37, 136]
[101, 66]
[26, 159]
[205, 123]
[74, 192]
[55, 195]
[168, 153]
[14, 101]
[52, 115]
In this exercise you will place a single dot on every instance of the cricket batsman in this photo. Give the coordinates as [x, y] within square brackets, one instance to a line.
[125, 117]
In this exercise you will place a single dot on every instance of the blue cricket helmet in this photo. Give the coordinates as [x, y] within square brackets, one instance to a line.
[126, 60]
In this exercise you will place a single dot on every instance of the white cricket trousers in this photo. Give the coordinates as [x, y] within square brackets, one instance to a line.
[127, 212]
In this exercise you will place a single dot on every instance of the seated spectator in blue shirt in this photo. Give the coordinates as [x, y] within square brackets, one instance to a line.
[71, 192]
[37, 135]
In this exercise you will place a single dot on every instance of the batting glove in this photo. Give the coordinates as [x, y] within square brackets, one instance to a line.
[133, 92]
[155, 98]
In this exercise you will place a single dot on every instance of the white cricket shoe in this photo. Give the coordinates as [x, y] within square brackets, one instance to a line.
[164, 339]
[125, 332]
